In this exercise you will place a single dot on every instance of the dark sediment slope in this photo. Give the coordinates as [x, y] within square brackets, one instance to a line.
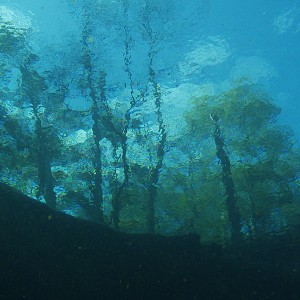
[48, 255]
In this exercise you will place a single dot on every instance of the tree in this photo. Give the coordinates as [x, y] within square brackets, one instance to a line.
[24, 109]
[260, 152]
[33, 85]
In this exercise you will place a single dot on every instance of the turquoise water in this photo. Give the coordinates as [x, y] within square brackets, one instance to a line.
[155, 116]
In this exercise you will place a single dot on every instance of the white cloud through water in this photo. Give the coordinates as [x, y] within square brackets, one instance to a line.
[212, 51]
[288, 20]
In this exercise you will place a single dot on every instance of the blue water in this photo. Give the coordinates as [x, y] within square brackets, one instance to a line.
[261, 40]
[198, 47]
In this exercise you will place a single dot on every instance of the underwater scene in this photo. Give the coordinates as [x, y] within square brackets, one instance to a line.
[150, 116]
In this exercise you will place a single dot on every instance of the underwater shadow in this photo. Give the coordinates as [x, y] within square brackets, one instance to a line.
[45, 254]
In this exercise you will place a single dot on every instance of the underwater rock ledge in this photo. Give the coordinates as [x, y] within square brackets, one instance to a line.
[49, 255]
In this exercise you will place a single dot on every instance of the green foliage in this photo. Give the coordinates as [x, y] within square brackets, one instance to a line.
[263, 162]
[242, 108]
[10, 38]
[193, 206]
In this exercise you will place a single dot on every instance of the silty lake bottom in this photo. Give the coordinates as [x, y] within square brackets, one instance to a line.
[171, 128]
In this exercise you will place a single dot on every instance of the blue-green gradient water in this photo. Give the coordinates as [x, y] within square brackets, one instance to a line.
[155, 116]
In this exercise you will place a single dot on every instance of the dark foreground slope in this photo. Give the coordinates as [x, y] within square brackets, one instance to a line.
[49, 255]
